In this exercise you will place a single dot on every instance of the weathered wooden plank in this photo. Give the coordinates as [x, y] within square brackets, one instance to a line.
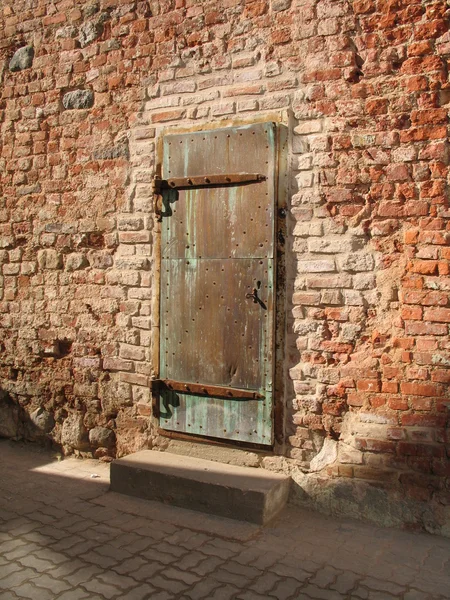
[210, 332]
[227, 223]
[219, 151]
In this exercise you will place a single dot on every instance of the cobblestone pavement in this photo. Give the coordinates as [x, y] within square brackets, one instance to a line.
[63, 536]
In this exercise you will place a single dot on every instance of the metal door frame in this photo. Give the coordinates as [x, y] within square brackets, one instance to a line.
[281, 191]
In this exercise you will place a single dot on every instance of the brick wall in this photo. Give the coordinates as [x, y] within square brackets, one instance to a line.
[363, 87]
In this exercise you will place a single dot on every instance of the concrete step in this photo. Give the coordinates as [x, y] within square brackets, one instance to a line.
[243, 493]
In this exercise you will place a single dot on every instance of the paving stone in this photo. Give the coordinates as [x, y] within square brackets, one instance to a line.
[245, 570]
[249, 595]
[226, 592]
[52, 533]
[141, 592]
[185, 577]
[169, 585]
[325, 577]
[55, 585]
[344, 582]
[9, 567]
[226, 577]
[5, 595]
[282, 570]
[312, 591]
[96, 586]
[82, 548]
[38, 564]
[27, 590]
[258, 559]
[360, 592]
[118, 554]
[17, 578]
[12, 545]
[119, 581]
[416, 595]
[100, 561]
[215, 550]
[43, 518]
[131, 540]
[380, 595]
[147, 571]
[202, 589]
[381, 585]
[66, 568]
[208, 565]
[189, 561]
[75, 594]
[152, 554]
[285, 588]
[129, 566]
[194, 541]
[177, 551]
[161, 596]
[68, 542]
[82, 575]
[265, 583]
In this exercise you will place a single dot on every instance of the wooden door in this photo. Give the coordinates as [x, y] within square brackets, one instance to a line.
[218, 283]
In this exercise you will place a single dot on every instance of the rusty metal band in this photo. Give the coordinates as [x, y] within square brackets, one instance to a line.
[214, 391]
[208, 180]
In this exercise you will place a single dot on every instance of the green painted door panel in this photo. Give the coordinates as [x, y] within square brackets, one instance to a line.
[217, 284]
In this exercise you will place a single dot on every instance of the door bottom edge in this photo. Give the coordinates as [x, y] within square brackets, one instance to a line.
[220, 442]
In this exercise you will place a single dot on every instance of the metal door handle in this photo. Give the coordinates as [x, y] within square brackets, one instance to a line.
[253, 295]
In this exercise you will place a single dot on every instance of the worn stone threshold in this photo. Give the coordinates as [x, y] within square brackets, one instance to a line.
[232, 491]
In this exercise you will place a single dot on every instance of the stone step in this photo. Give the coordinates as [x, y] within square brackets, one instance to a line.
[243, 493]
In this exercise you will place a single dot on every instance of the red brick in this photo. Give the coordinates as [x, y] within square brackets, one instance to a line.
[441, 315]
[417, 328]
[377, 106]
[54, 19]
[432, 29]
[411, 313]
[423, 420]
[391, 372]
[421, 389]
[355, 400]
[441, 375]
[417, 373]
[420, 403]
[412, 66]
[424, 267]
[424, 344]
[425, 298]
[368, 385]
[389, 387]
[306, 298]
[408, 448]
[338, 347]
[398, 403]
[372, 445]
[396, 433]
[168, 115]
[280, 36]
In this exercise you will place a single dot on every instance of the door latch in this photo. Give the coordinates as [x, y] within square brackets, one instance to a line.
[253, 295]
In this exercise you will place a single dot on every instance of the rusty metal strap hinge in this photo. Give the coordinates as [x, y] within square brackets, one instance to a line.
[206, 181]
[213, 391]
